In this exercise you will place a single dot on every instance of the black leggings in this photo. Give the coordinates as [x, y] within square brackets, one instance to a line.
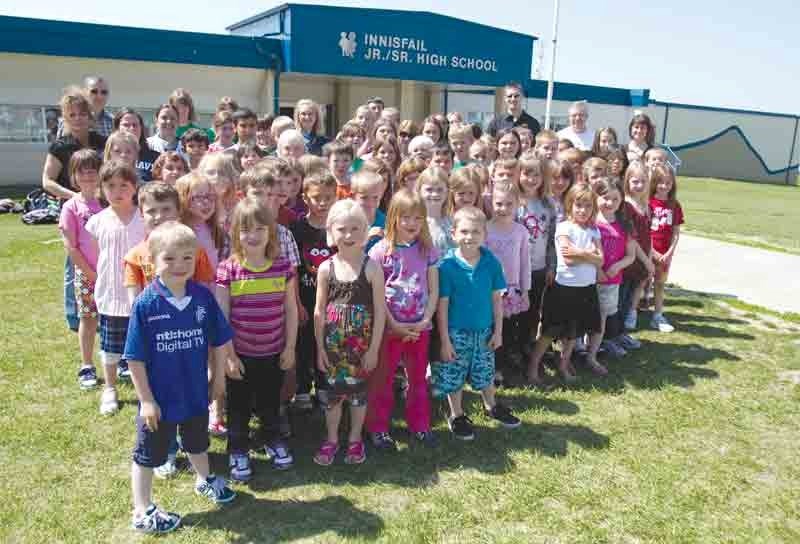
[258, 391]
[307, 373]
[531, 318]
[513, 337]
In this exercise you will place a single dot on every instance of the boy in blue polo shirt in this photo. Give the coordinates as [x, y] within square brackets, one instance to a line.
[173, 324]
[471, 287]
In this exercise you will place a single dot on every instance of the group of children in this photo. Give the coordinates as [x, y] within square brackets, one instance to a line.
[248, 272]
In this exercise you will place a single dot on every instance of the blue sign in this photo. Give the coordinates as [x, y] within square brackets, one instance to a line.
[404, 45]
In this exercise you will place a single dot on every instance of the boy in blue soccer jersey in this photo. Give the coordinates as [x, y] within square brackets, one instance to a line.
[173, 324]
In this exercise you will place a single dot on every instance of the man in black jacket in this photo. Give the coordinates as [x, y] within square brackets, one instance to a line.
[514, 116]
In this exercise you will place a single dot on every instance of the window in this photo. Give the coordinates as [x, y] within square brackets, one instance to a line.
[28, 124]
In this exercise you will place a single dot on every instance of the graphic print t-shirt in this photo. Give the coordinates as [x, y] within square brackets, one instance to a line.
[314, 251]
[663, 219]
[406, 272]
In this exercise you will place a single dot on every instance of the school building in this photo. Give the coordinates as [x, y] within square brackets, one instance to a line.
[417, 61]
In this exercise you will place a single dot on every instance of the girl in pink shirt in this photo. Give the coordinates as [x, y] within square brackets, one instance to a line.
[619, 252]
[508, 240]
[200, 211]
[82, 249]
[256, 290]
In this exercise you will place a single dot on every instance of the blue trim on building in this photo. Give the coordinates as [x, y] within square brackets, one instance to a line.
[747, 143]
[725, 110]
[570, 92]
[85, 40]
[376, 11]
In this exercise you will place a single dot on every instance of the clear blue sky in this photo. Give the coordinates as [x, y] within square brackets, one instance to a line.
[710, 52]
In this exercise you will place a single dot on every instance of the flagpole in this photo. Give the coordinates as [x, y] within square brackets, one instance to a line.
[551, 79]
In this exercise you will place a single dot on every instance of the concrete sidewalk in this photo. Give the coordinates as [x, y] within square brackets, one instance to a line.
[756, 276]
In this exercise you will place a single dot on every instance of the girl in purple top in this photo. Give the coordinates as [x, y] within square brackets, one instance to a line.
[82, 249]
[408, 260]
[508, 240]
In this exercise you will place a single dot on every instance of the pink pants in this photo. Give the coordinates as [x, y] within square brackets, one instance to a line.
[381, 393]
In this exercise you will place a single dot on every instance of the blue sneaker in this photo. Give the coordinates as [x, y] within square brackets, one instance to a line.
[280, 455]
[426, 438]
[156, 521]
[216, 489]
[239, 464]
[123, 372]
[383, 441]
[87, 378]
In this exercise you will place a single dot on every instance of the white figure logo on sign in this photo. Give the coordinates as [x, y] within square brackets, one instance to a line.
[348, 44]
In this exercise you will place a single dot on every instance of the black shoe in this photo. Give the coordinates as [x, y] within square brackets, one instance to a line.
[503, 414]
[382, 441]
[87, 377]
[123, 372]
[461, 428]
[426, 438]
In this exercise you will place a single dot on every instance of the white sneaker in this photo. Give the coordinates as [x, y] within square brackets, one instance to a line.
[168, 469]
[630, 320]
[108, 402]
[660, 323]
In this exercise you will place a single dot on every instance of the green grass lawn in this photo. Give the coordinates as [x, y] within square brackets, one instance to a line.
[692, 439]
[754, 214]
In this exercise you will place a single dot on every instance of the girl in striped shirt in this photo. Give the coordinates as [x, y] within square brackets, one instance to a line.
[256, 291]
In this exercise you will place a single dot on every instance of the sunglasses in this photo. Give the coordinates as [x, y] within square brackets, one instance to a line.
[103, 92]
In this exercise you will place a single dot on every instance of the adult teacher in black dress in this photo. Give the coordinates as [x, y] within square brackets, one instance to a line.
[77, 134]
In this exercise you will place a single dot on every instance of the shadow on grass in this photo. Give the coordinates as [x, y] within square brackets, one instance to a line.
[706, 326]
[655, 368]
[416, 466]
[252, 519]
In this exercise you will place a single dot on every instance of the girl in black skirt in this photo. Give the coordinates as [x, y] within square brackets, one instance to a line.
[570, 308]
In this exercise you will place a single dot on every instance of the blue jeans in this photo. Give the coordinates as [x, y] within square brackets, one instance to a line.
[626, 290]
[70, 305]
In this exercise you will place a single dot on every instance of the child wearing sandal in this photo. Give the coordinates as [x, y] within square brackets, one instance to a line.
[571, 307]
[83, 167]
[349, 318]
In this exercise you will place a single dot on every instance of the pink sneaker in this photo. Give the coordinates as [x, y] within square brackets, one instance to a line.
[326, 454]
[355, 453]
[217, 429]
